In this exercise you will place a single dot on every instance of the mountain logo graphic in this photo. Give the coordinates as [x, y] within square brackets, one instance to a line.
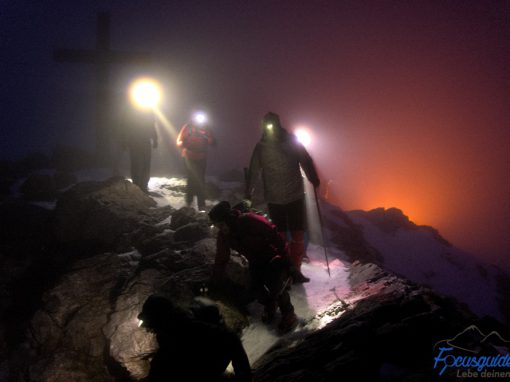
[473, 340]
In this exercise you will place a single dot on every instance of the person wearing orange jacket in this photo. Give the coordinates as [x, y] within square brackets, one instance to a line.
[194, 140]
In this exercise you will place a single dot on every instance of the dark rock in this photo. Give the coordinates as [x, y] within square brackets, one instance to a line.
[26, 267]
[152, 244]
[64, 179]
[391, 330]
[101, 212]
[86, 327]
[192, 232]
[348, 236]
[39, 187]
[183, 216]
[392, 219]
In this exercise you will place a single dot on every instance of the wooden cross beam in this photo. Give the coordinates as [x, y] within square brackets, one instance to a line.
[102, 57]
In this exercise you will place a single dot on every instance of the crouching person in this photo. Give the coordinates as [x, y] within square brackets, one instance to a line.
[190, 348]
[257, 239]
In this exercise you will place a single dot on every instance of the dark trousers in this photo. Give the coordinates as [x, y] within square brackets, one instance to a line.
[195, 173]
[288, 217]
[271, 283]
[291, 218]
[140, 154]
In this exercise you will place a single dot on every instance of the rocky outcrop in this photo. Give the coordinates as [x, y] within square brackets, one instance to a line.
[391, 220]
[82, 326]
[103, 213]
[341, 232]
[25, 263]
[87, 327]
[387, 331]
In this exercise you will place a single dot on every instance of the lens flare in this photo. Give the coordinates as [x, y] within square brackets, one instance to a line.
[145, 94]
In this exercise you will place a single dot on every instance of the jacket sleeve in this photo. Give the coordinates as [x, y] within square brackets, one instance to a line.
[182, 136]
[211, 139]
[306, 162]
[254, 171]
[222, 255]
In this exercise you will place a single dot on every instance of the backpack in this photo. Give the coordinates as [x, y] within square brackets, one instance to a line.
[197, 139]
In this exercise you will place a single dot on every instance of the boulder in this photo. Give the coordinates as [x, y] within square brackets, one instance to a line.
[101, 212]
[87, 328]
[183, 216]
[192, 232]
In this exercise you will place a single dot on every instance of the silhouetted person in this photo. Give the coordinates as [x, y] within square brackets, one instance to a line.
[194, 139]
[140, 138]
[278, 157]
[191, 349]
[257, 239]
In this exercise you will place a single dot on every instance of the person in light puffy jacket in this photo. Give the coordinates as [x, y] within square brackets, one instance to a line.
[278, 159]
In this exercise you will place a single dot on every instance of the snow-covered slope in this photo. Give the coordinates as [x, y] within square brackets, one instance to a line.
[421, 255]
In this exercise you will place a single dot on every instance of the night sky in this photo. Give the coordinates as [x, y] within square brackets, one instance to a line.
[408, 101]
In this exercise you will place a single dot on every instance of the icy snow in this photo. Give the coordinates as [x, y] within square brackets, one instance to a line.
[311, 301]
[418, 256]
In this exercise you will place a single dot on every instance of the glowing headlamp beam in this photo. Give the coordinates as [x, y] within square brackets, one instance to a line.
[200, 118]
[145, 94]
[303, 136]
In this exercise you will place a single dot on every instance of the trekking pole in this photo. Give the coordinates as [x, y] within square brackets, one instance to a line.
[322, 228]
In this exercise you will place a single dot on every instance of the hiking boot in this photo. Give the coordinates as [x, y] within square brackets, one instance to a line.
[299, 278]
[288, 322]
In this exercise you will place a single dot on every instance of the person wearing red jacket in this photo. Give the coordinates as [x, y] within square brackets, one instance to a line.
[194, 139]
[257, 239]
